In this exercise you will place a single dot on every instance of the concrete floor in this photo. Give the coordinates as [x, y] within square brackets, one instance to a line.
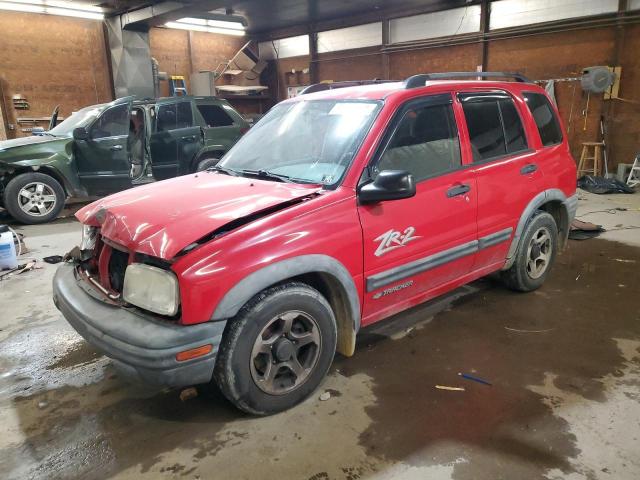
[564, 362]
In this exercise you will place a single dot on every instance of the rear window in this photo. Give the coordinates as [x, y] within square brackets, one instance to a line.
[494, 125]
[215, 116]
[545, 118]
[174, 116]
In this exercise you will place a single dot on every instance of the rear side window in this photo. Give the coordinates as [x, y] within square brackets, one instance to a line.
[545, 118]
[425, 143]
[494, 126]
[174, 116]
[215, 116]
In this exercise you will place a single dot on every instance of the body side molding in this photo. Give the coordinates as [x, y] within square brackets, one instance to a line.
[400, 272]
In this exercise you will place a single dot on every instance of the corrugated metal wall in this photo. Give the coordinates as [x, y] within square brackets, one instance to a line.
[438, 24]
[514, 13]
[368, 35]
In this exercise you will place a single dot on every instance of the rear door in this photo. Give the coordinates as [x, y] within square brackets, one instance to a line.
[175, 139]
[414, 245]
[505, 168]
[222, 125]
[102, 160]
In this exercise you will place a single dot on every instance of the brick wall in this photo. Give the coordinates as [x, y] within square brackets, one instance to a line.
[51, 60]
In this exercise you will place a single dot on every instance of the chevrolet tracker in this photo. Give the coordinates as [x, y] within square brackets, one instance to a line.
[338, 209]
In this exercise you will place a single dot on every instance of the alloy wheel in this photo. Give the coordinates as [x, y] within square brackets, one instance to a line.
[37, 199]
[539, 253]
[285, 352]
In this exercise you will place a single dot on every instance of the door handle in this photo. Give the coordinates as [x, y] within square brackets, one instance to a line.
[116, 148]
[190, 138]
[458, 190]
[527, 169]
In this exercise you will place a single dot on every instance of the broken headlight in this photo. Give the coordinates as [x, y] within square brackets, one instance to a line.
[151, 288]
[89, 237]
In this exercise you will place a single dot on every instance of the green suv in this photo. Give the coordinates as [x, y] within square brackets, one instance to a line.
[111, 147]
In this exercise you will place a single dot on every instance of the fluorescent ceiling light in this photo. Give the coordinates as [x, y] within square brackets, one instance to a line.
[204, 28]
[212, 23]
[54, 7]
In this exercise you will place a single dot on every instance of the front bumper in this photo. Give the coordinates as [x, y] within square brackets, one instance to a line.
[142, 347]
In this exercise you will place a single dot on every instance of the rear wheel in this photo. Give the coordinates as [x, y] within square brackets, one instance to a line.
[277, 350]
[33, 198]
[536, 254]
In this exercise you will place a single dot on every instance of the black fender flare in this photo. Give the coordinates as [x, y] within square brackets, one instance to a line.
[569, 207]
[277, 272]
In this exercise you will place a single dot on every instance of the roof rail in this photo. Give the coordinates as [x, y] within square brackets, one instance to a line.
[319, 87]
[420, 80]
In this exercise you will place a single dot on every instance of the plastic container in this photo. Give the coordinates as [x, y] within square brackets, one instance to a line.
[8, 258]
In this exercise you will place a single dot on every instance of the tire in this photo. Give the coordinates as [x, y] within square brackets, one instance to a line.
[536, 254]
[207, 163]
[248, 350]
[22, 190]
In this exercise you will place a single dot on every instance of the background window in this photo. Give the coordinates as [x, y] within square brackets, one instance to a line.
[113, 122]
[215, 116]
[174, 116]
[494, 126]
[545, 118]
[424, 144]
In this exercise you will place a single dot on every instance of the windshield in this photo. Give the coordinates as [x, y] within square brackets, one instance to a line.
[311, 141]
[80, 118]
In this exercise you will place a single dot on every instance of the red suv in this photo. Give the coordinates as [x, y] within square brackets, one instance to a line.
[337, 210]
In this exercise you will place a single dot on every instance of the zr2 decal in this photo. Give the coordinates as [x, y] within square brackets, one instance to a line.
[392, 239]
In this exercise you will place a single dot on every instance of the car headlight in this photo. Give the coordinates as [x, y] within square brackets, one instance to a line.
[151, 288]
[89, 237]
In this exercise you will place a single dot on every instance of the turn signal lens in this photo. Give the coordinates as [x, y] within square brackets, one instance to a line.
[194, 353]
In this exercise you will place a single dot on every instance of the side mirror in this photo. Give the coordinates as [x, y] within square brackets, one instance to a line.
[388, 185]
[80, 133]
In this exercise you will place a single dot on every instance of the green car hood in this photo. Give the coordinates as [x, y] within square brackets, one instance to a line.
[34, 148]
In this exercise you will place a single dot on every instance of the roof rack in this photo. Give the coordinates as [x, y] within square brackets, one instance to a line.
[319, 87]
[420, 80]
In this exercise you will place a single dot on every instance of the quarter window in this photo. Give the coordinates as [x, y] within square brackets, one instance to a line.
[215, 116]
[494, 126]
[545, 118]
[174, 116]
[424, 144]
[113, 122]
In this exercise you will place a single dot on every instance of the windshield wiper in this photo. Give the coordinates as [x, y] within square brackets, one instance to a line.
[269, 175]
[277, 176]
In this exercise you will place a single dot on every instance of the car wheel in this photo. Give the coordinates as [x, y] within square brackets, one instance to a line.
[277, 349]
[536, 254]
[33, 198]
[207, 163]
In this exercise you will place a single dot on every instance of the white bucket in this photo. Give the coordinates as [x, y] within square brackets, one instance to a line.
[8, 258]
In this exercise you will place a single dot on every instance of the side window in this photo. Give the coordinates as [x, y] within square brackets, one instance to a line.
[425, 143]
[545, 118]
[215, 116]
[113, 122]
[174, 116]
[494, 126]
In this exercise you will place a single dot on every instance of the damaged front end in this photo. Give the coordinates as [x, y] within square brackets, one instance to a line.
[125, 278]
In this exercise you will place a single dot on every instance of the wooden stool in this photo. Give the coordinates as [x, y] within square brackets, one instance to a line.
[597, 159]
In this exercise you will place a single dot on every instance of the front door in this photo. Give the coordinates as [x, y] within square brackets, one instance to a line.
[102, 159]
[175, 140]
[414, 245]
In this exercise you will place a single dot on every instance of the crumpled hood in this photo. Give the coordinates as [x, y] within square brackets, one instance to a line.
[163, 218]
[25, 141]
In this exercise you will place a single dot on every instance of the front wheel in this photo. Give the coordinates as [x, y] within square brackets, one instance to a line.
[33, 198]
[536, 254]
[277, 349]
